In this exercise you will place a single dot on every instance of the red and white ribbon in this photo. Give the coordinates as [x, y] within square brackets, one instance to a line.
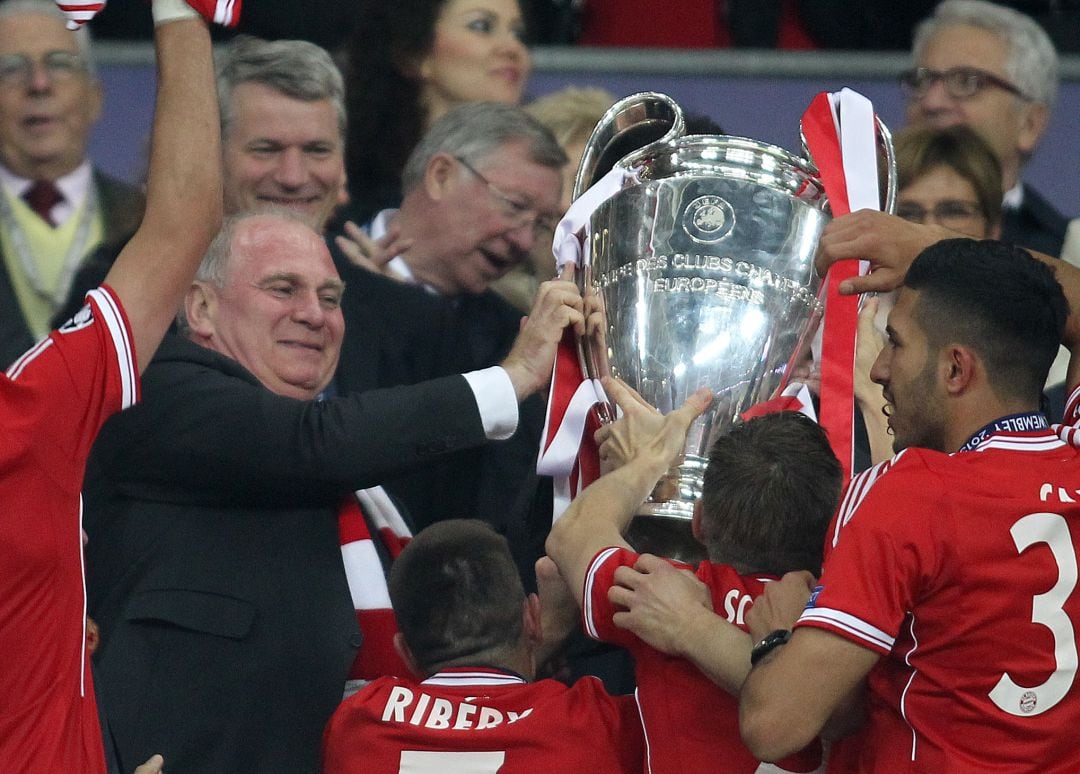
[371, 515]
[795, 397]
[567, 452]
[79, 12]
[841, 135]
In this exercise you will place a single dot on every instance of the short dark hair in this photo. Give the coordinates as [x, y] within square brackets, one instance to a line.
[457, 595]
[996, 299]
[771, 487]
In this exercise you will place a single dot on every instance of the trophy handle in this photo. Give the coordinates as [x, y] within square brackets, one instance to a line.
[885, 141]
[626, 134]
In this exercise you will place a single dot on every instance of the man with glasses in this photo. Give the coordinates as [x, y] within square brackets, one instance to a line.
[480, 190]
[995, 70]
[55, 209]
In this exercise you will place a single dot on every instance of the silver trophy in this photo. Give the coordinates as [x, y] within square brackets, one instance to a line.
[703, 273]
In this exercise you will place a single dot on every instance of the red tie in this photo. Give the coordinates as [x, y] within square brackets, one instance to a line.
[42, 196]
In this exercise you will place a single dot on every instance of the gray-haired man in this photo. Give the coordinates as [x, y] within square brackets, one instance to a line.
[480, 189]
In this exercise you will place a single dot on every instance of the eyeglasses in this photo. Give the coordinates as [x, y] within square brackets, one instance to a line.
[948, 212]
[960, 82]
[16, 70]
[515, 212]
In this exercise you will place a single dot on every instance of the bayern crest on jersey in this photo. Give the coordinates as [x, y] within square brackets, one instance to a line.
[82, 318]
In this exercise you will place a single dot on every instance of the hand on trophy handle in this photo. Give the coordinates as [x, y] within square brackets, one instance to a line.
[889, 242]
[557, 307]
[643, 433]
[372, 254]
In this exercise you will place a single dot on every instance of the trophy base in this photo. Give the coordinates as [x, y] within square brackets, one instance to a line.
[662, 525]
[665, 531]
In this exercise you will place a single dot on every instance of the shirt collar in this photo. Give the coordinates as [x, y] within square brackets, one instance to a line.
[380, 224]
[74, 186]
[475, 676]
[1014, 198]
[1023, 422]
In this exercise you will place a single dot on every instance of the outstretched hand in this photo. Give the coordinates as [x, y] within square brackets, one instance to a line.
[372, 254]
[888, 242]
[642, 430]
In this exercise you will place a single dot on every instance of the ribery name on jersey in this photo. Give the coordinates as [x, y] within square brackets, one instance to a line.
[420, 709]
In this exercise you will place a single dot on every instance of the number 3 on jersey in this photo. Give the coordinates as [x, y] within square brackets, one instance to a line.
[418, 762]
[1046, 609]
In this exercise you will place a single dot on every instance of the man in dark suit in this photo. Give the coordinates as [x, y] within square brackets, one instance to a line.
[214, 563]
[994, 69]
[55, 208]
[481, 188]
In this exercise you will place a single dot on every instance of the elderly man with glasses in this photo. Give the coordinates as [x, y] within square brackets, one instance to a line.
[995, 70]
[480, 190]
[55, 208]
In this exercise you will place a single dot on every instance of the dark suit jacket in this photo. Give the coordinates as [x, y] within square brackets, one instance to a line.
[1036, 224]
[121, 211]
[399, 334]
[214, 566]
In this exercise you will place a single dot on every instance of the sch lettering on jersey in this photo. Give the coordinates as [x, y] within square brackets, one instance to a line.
[812, 602]
[735, 604]
[420, 709]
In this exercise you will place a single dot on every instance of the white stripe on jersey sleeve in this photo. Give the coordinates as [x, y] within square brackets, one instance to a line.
[590, 576]
[16, 368]
[848, 623]
[125, 352]
[856, 492]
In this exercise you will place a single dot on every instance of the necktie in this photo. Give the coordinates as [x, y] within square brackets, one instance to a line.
[42, 196]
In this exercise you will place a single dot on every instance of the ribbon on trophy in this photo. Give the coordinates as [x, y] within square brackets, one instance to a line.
[568, 453]
[840, 134]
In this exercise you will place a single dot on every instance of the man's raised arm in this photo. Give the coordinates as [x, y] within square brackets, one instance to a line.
[596, 519]
[183, 198]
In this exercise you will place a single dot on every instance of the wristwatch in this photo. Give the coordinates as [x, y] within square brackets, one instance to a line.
[771, 642]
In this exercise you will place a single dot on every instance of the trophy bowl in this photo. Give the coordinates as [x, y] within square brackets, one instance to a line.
[703, 271]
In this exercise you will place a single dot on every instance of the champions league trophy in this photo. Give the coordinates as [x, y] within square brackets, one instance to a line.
[703, 272]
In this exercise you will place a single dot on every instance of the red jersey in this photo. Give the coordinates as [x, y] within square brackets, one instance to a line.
[961, 571]
[482, 721]
[53, 400]
[690, 723]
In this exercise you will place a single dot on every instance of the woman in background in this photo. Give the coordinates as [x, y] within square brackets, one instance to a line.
[949, 177]
[410, 61]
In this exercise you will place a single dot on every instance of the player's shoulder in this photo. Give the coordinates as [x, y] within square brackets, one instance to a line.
[724, 577]
[895, 486]
[914, 467]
